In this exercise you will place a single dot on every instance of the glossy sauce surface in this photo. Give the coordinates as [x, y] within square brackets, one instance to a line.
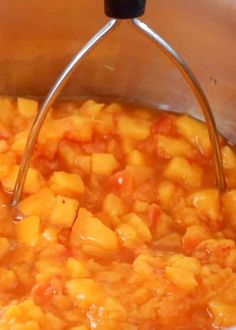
[123, 227]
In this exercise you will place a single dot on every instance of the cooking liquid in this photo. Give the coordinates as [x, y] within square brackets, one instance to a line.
[123, 226]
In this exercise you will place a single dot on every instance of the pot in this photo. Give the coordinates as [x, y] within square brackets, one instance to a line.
[39, 37]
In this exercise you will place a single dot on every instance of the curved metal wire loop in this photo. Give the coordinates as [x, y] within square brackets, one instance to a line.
[198, 92]
[62, 80]
[50, 99]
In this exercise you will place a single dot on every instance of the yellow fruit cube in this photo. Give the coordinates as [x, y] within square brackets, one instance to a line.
[166, 192]
[113, 309]
[104, 164]
[79, 129]
[91, 109]
[134, 128]
[181, 278]
[113, 205]
[66, 184]
[39, 204]
[229, 158]
[28, 230]
[85, 292]
[70, 157]
[34, 180]
[180, 169]
[194, 235]
[113, 108]
[229, 204]
[128, 145]
[182, 270]
[139, 225]
[207, 203]
[188, 263]
[18, 315]
[224, 314]
[8, 279]
[94, 237]
[53, 130]
[50, 235]
[19, 142]
[77, 269]
[194, 132]
[64, 212]
[7, 161]
[104, 124]
[172, 147]
[27, 108]
[128, 236]
[136, 157]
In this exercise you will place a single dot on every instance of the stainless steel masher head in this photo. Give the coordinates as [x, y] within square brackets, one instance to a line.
[119, 10]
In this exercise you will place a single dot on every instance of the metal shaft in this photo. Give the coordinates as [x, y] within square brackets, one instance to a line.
[199, 94]
[51, 97]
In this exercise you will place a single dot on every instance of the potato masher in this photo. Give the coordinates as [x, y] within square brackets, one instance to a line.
[118, 10]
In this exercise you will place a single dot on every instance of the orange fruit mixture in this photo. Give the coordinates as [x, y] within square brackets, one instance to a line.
[123, 225]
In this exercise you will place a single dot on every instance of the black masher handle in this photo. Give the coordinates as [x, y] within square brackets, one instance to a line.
[124, 9]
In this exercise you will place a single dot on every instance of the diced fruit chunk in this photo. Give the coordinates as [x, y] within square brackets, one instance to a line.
[182, 271]
[188, 263]
[133, 128]
[182, 278]
[229, 158]
[50, 235]
[194, 235]
[113, 205]
[8, 279]
[34, 180]
[104, 124]
[19, 142]
[104, 164]
[224, 314]
[136, 157]
[166, 192]
[128, 236]
[66, 184]
[32, 205]
[85, 292]
[27, 108]
[133, 232]
[172, 147]
[180, 169]
[207, 203]
[64, 212]
[7, 161]
[229, 204]
[94, 237]
[91, 108]
[77, 269]
[28, 230]
[139, 225]
[195, 132]
[81, 129]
